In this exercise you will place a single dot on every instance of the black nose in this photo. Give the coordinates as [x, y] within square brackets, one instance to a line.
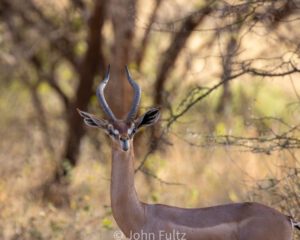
[124, 144]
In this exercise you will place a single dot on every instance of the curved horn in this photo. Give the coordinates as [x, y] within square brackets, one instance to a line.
[136, 98]
[101, 98]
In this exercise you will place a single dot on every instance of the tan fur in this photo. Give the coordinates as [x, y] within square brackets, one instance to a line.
[137, 220]
[240, 221]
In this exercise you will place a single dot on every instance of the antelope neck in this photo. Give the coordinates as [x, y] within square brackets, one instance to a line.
[127, 210]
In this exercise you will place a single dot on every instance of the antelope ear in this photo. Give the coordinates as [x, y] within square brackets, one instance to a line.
[148, 119]
[91, 121]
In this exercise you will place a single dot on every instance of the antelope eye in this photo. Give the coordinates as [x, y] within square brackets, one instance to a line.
[113, 132]
[116, 132]
[110, 129]
[131, 131]
[110, 132]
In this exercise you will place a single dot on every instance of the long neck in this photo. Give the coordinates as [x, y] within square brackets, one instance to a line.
[127, 210]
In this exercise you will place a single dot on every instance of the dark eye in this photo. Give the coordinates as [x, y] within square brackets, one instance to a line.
[131, 132]
[115, 133]
[111, 132]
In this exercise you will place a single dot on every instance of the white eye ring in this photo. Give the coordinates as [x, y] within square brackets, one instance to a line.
[131, 129]
[116, 132]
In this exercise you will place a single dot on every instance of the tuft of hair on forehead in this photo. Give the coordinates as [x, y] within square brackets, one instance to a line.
[122, 126]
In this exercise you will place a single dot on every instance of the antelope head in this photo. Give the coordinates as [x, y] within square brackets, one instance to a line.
[121, 131]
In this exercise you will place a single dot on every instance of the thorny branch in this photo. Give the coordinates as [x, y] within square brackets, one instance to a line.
[254, 144]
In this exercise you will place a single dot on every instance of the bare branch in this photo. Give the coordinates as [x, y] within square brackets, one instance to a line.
[144, 43]
[148, 173]
[178, 42]
[59, 42]
[265, 73]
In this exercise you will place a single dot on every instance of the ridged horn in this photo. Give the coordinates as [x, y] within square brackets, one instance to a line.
[101, 98]
[136, 98]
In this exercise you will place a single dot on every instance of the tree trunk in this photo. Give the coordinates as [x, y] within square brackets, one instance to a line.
[140, 53]
[169, 59]
[172, 53]
[91, 64]
[119, 92]
[226, 64]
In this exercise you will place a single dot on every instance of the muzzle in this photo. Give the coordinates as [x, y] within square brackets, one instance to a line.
[125, 144]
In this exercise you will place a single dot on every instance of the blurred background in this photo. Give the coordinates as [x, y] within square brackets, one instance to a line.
[225, 74]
